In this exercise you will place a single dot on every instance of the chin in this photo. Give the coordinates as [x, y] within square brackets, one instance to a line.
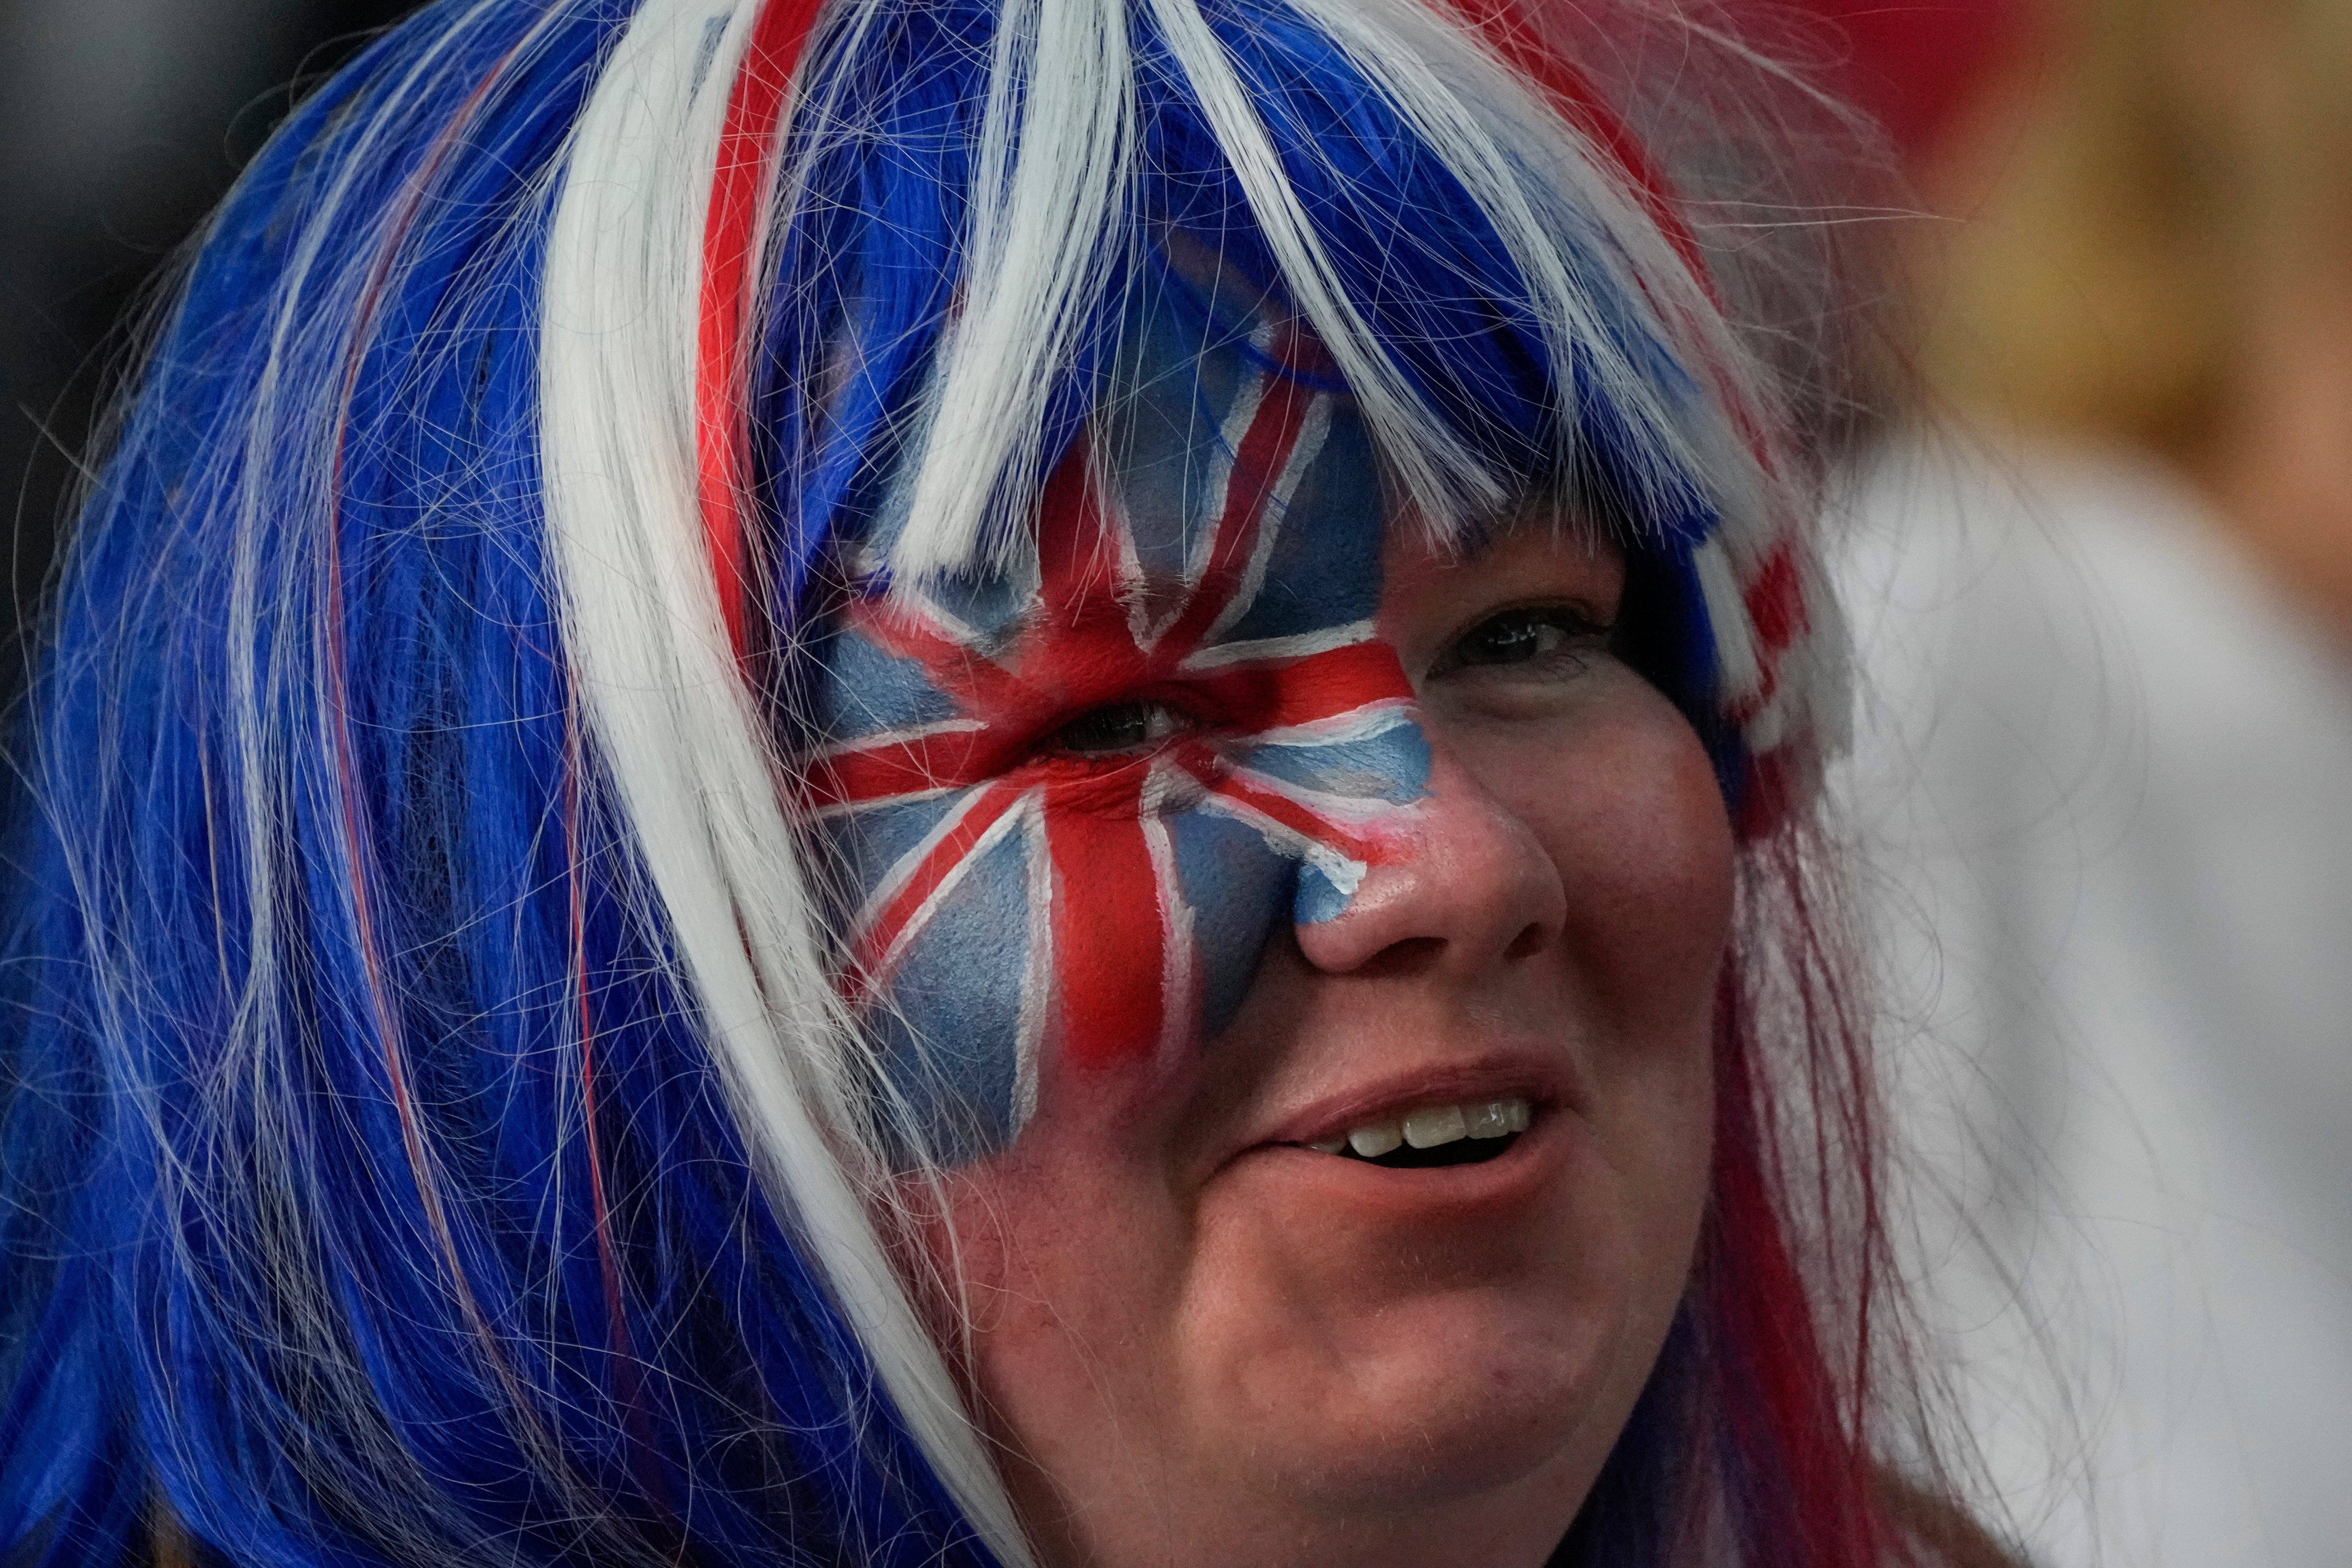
[1369, 1364]
[1435, 1399]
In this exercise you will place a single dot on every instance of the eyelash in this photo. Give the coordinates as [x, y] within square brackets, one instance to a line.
[1118, 728]
[1578, 636]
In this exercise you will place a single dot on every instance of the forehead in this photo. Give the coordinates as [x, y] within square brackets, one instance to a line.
[1191, 400]
[1188, 412]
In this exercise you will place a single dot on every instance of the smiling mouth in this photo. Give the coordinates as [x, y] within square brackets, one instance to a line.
[1434, 1135]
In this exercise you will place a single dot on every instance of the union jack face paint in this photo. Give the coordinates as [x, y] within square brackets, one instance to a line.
[1074, 800]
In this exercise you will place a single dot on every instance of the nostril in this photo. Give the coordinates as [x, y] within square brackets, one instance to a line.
[1531, 940]
[1409, 956]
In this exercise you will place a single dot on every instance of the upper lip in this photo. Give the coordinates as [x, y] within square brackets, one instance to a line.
[1540, 1077]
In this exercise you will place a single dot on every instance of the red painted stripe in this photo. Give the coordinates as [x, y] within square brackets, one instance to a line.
[1077, 557]
[1279, 693]
[1303, 820]
[1259, 460]
[889, 769]
[731, 237]
[1109, 957]
[869, 970]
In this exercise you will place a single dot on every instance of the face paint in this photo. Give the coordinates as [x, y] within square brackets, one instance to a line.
[1072, 801]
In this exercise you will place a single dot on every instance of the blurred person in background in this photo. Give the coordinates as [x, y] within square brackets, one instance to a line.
[2105, 739]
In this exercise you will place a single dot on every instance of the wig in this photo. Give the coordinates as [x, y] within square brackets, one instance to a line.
[437, 1128]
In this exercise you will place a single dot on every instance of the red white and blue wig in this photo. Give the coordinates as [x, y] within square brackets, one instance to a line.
[436, 1127]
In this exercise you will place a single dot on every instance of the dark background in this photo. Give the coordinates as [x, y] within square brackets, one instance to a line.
[122, 122]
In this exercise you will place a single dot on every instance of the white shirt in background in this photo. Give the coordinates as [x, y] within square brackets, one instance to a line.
[2103, 781]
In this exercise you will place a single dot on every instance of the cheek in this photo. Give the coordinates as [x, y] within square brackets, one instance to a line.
[1643, 845]
[1624, 801]
[938, 939]
[1637, 828]
[1063, 963]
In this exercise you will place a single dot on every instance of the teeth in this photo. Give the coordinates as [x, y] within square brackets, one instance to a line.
[1491, 1119]
[1429, 1126]
[1498, 1118]
[1438, 1124]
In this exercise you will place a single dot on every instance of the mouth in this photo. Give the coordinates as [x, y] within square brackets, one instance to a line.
[1466, 1132]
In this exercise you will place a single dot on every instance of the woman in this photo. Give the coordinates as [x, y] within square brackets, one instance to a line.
[900, 782]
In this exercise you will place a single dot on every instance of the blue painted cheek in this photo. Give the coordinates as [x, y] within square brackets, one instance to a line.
[948, 1024]
[1239, 888]
[1242, 888]
[1391, 767]
[951, 1031]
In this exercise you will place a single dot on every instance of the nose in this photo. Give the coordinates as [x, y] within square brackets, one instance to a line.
[1463, 885]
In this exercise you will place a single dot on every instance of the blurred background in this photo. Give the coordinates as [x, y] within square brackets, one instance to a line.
[2102, 566]
[122, 122]
[2103, 578]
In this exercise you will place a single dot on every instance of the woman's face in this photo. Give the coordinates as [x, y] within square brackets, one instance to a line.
[1162, 1034]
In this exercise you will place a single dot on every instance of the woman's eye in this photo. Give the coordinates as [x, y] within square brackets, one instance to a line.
[1118, 727]
[1538, 634]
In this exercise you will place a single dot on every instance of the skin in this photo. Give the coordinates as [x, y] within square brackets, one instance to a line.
[1201, 1341]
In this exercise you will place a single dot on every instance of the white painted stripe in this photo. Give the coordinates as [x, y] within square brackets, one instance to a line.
[1037, 978]
[995, 833]
[1232, 435]
[1315, 428]
[842, 808]
[916, 602]
[1175, 938]
[883, 739]
[1345, 873]
[1134, 588]
[1365, 723]
[1302, 646]
[1351, 812]
[903, 869]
